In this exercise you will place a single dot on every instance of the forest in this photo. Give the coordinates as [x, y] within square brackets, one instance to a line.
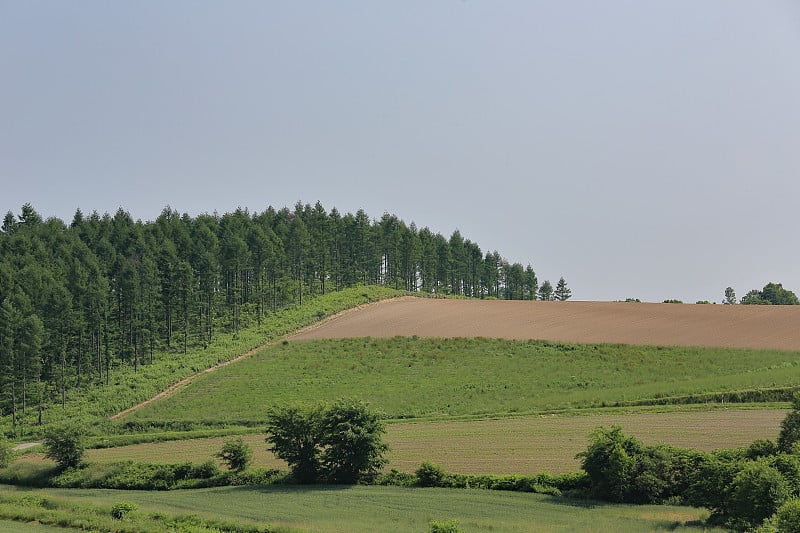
[78, 301]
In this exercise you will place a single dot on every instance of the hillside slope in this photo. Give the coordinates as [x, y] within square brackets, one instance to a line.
[729, 326]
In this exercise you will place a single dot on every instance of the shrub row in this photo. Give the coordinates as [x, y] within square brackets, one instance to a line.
[775, 394]
[741, 487]
[122, 517]
[431, 475]
[129, 475]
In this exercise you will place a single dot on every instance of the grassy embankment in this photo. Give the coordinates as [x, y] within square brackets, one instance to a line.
[471, 378]
[456, 386]
[343, 509]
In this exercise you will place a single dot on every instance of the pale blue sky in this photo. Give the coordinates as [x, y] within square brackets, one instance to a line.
[640, 149]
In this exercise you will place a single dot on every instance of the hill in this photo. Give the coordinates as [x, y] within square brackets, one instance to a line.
[725, 326]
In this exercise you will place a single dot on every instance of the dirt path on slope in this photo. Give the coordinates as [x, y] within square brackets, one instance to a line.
[175, 387]
[25, 446]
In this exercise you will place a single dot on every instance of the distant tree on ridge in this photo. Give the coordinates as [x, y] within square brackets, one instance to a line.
[563, 293]
[546, 291]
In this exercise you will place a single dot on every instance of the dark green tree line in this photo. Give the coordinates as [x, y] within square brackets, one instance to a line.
[78, 301]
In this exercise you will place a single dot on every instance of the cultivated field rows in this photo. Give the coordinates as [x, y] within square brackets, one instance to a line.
[734, 326]
[514, 445]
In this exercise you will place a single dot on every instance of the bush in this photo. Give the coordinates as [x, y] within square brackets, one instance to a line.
[622, 469]
[6, 452]
[64, 445]
[761, 448]
[430, 475]
[789, 467]
[609, 462]
[395, 478]
[445, 526]
[757, 492]
[236, 454]
[258, 476]
[790, 427]
[119, 510]
[787, 518]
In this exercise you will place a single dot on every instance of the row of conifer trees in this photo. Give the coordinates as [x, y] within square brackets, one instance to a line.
[79, 299]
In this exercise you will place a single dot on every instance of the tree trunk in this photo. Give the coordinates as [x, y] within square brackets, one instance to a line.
[63, 383]
[80, 354]
[13, 403]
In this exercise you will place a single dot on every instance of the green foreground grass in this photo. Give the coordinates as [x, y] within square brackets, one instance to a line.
[368, 509]
[450, 378]
[8, 526]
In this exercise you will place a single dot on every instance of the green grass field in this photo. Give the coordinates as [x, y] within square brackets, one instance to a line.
[387, 509]
[446, 378]
[469, 405]
[508, 445]
[7, 526]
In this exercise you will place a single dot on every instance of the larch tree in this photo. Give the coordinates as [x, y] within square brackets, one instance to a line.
[730, 296]
[546, 291]
[110, 291]
[563, 293]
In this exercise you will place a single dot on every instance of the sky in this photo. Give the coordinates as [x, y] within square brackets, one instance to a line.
[638, 149]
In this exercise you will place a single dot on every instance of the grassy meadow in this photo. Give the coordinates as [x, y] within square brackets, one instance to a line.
[451, 378]
[507, 445]
[368, 509]
[472, 406]
[8, 526]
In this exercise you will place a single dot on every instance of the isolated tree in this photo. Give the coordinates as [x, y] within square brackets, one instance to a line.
[730, 296]
[546, 291]
[236, 454]
[294, 436]
[64, 445]
[562, 293]
[339, 444]
[351, 440]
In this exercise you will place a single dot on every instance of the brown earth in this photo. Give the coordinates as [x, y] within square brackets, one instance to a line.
[735, 326]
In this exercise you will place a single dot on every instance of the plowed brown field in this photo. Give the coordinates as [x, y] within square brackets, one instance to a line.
[734, 326]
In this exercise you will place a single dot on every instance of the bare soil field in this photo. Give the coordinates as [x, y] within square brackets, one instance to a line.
[729, 326]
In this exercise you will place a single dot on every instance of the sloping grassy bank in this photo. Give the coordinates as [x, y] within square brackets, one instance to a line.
[451, 378]
[128, 387]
